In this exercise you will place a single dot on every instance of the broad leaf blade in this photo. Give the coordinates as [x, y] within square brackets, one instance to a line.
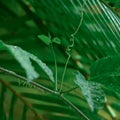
[108, 66]
[23, 58]
[92, 92]
[107, 70]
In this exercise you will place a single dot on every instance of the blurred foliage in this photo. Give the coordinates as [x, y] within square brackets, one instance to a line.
[97, 46]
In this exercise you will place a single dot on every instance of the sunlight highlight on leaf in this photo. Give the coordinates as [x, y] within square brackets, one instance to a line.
[92, 92]
[23, 58]
[43, 66]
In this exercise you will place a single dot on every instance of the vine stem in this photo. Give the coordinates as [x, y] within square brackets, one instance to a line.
[75, 108]
[55, 67]
[39, 87]
[63, 75]
[67, 91]
[69, 48]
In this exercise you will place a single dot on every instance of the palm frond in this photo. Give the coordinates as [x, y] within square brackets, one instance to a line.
[98, 37]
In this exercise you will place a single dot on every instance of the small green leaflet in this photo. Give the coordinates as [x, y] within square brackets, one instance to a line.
[56, 40]
[47, 40]
[23, 58]
[92, 91]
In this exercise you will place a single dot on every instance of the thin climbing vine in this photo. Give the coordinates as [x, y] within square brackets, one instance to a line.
[57, 58]
[72, 42]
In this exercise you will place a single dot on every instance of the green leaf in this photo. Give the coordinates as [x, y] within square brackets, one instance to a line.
[98, 37]
[107, 70]
[23, 58]
[43, 66]
[45, 39]
[92, 92]
[56, 40]
[107, 66]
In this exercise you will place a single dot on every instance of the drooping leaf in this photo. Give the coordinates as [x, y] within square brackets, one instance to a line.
[92, 92]
[45, 39]
[23, 58]
[43, 66]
